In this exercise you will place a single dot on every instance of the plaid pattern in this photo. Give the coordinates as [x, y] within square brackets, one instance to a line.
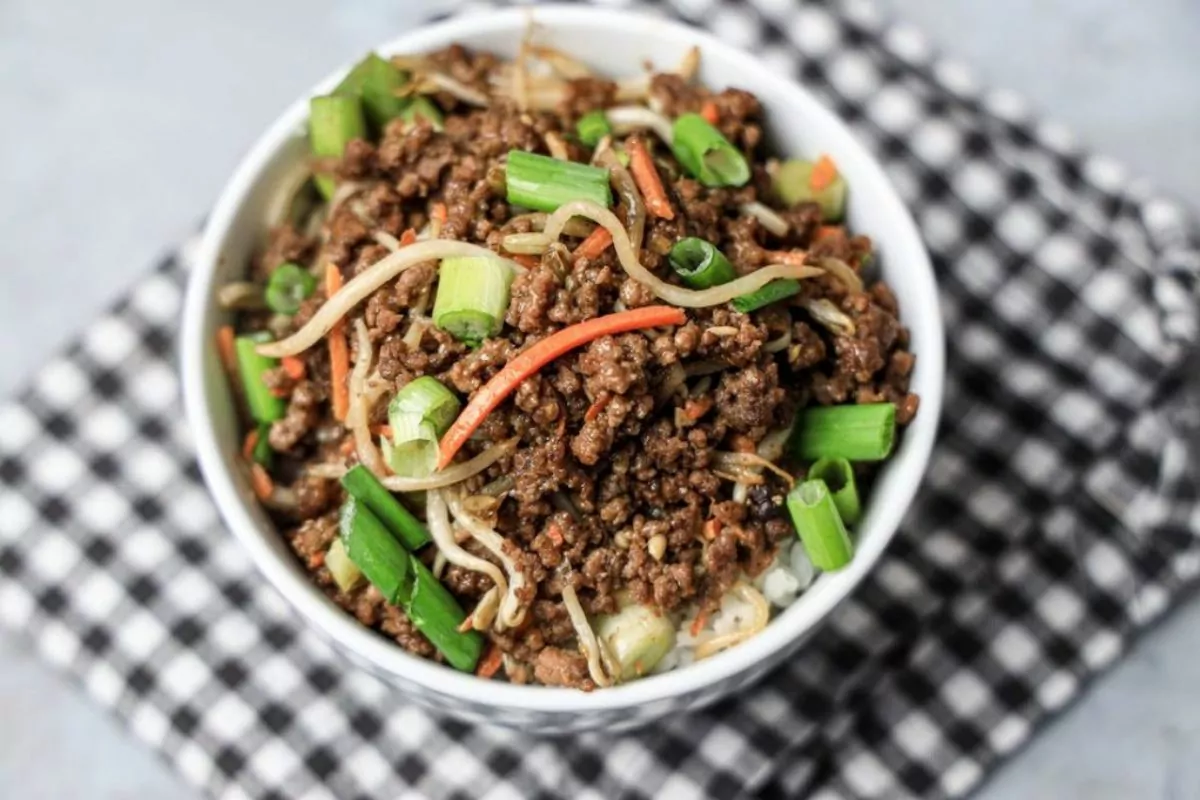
[1059, 515]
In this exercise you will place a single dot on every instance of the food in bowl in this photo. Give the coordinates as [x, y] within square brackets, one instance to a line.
[558, 379]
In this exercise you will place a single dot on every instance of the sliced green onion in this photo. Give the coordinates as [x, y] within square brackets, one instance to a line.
[345, 573]
[264, 406]
[838, 476]
[373, 550]
[427, 399]
[263, 454]
[422, 107]
[637, 637]
[289, 286]
[333, 121]
[793, 184]
[706, 154]
[366, 489]
[543, 183]
[592, 127]
[438, 615]
[376, 80]
[472, 297]
[700, 264]
[413, 451]
[773, 292]
[821, 529]
[856, 433]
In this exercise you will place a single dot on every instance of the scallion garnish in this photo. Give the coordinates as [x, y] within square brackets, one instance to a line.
[838, 475]
[376, 552]
[821, 529]
[376, 80]
[857, 433]
[422, 107]
[438, 615]
[289, 286]
[413, 450]
[333, 121]
[366, 489]
[472, 297]
[427, 399]
[262, 453]
[773, 292]
[264, 406]
[699, 264]
[345, 573]
[543, 183]
[592, 127]
[706, 154]
[794, 183]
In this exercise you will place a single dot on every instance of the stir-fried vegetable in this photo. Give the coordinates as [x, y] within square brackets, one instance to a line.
[858, 433]
[421, 107]
[472, 297]
[645, 175]
[339, 350]
[505, 381]
[412, 450]
[637, 638]
[376, 82]
[838, 476]
[700, 264]
[801, 181]
[821, 529]
[543, 183]
[376, 552]
[288, 287]
[367, 490]
[345, 573]
[333, 121]
[264, 406]
[592, 127]
[706, 154]
[773, 292]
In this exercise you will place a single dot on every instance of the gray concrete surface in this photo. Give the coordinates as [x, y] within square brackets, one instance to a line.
[100, 100]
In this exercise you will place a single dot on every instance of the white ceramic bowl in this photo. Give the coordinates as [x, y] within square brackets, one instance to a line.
[616, 43]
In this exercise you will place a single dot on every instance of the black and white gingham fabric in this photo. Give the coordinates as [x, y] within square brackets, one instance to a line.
[1059, 516]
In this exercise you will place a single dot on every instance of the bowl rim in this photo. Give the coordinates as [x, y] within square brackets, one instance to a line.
[384, 655]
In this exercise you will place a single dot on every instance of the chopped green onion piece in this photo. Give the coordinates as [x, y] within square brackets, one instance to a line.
[374, 551]
[821, 529]
[592, 127]
[264, 406]
[366, 489]
[263, 454]
[428, 400]
[700, 264]
[706, 154]
[472, 297]
[289, 286]
[622, 156]
[414, 447]
[376, 80]
[857, 433]
[773, 292]
[838, 476]
[438, 615]
[422, 107]
[793, 184]
[333, 121]
[543, 183]
[345, 573]
[637, 637]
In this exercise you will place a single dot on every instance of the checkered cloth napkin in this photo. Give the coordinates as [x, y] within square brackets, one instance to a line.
[1058, 519]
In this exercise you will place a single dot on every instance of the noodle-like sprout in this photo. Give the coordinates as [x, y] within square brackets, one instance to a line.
[689, 65]
[387, 240]
[767, 217]
[438, 518]
[537, 222]
[675, 295]
[533, 244]
[772, 445]
[780, 342]
[441, 82]
[762, 615]
[830, 316]
[588, 642]
[485, 610]
[627, 118]
[635, 212]
[358, 417]
[842, 271]
[368, 281]
[454, 474]
[675, 378]
[566, 66]
[512, 612]
[725, 460]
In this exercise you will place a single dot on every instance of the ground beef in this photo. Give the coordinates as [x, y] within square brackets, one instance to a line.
[558, 667]
[303, 413]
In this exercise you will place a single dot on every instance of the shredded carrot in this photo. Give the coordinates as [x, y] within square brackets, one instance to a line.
[408, 237]
[249, 443]
[339, 351]
[741, 443]
[294, 367]
[695, 409]
[226, 349]
[466, 624]
[506, 381]
[554, 533]
[595, 244]
[316, 560]
[710, 112]
[263, 486]
[824, 172]
[793, 258]
[597, 408]
[492, 660]
[712, 528]
[382, 430]
[645, 175]
[347, 446]
[525, 260]
[698, 623]
[826, 231]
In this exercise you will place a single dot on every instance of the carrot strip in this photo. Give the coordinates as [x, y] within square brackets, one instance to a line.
[225, 348]
[491, 662]
[554, 533]
[645, 175]
[408, 237]
[825, 231]
[506, 381]
[695, 409]
[261, 482]
[595, 244]
[698, 623]
[597, 408]
[710, 112]
[339, 351]
[525, 260]
[249, 443]
[712, 528]
[439, 215]
[823, 173]
[382, 430]
[294, 367]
